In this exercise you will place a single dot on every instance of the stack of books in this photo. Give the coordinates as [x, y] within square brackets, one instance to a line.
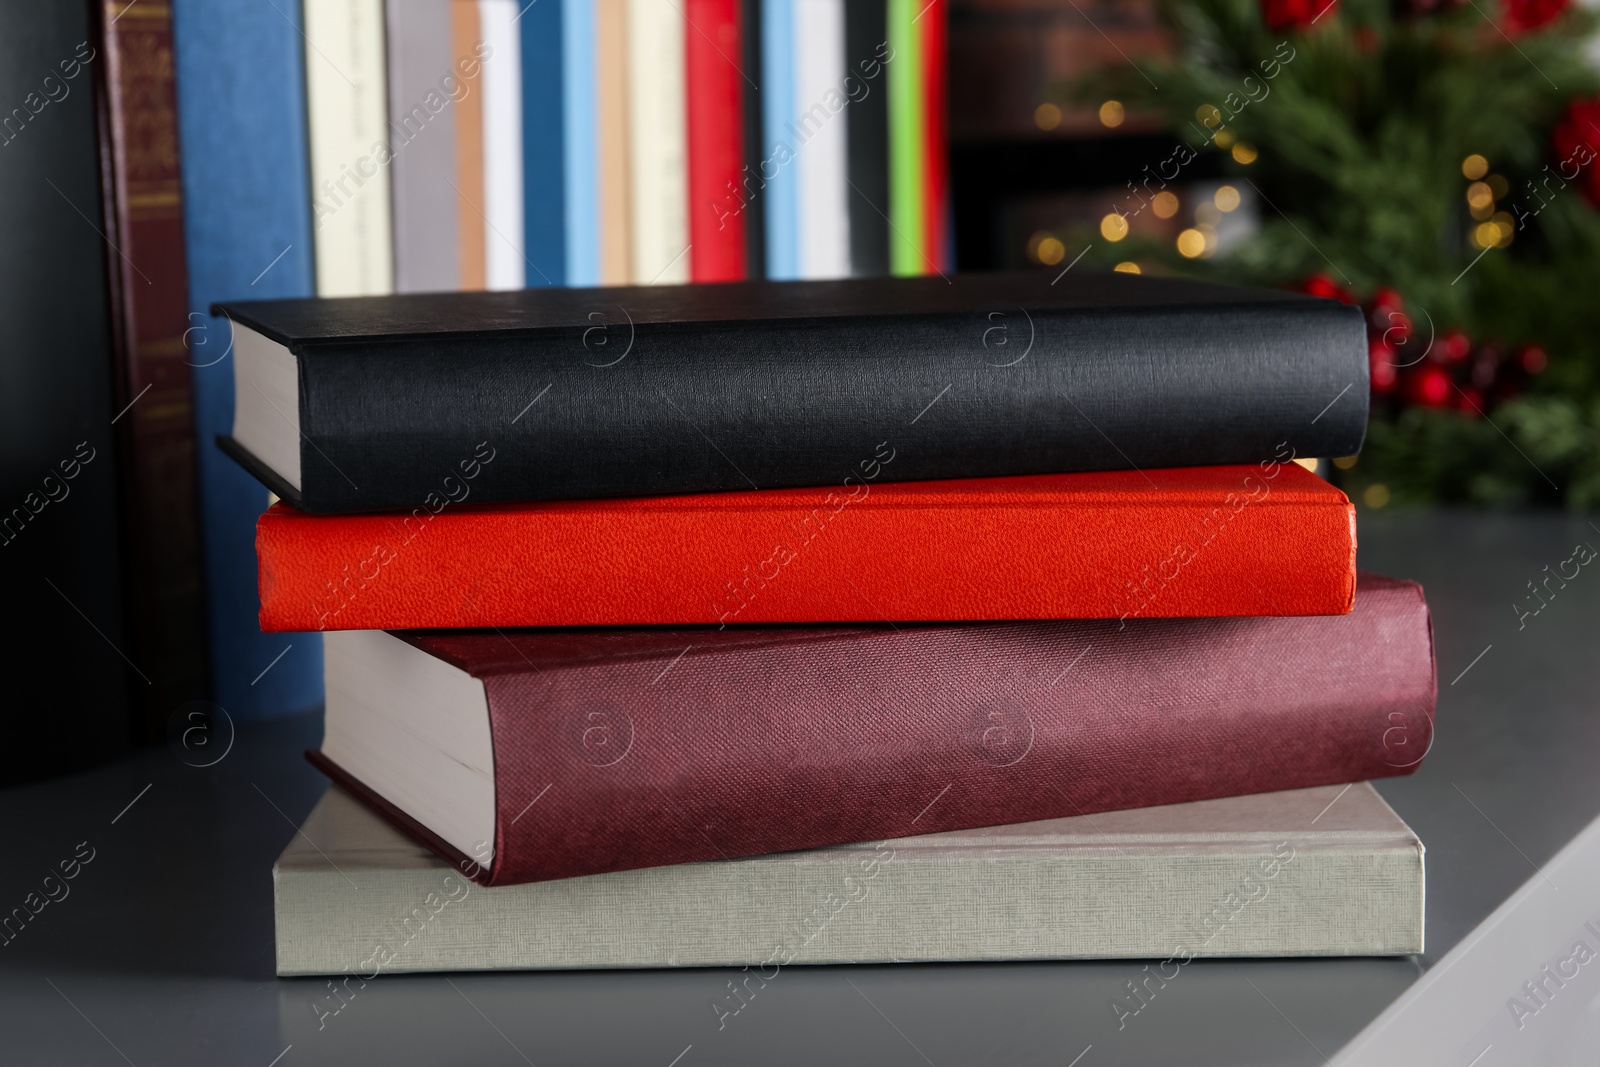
[895, 619]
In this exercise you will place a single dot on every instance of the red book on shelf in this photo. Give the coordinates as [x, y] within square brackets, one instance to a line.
[932, 28]
[714, 88]
[550, 754]
[1272, 539]
[1194, 541]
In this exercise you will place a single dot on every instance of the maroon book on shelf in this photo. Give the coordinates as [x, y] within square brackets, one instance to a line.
[531, 755]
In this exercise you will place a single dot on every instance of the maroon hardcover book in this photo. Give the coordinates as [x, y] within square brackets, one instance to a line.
[154, 416]
[637, 748]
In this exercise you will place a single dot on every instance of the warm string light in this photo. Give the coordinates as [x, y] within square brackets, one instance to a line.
[1046, 248]
[1112, 114]
[1495, 229]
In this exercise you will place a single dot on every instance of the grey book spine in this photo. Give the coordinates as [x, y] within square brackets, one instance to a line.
[422, 136]
[1330, 871]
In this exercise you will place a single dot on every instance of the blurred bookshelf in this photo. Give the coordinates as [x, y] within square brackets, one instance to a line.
[1029, 169]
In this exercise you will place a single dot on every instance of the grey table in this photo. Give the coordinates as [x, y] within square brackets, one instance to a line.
[162, 953]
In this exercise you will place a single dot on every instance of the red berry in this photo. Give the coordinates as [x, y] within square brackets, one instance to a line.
[1452, 346]
[1383, 377]
[1429, 387]
[1470, 401]
[1533, 358]
[1388, 299]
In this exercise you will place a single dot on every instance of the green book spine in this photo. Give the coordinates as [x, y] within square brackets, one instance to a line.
[906, 252]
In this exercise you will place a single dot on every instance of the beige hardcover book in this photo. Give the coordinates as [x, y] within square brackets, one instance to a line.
[1330, 871]
[612, 78]
[658, 143]
[348, 108]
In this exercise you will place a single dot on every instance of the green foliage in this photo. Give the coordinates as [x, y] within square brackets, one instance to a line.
[1361, 133]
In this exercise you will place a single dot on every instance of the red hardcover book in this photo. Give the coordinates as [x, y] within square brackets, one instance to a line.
[931, 26]
[714, 90]
[553, 754]
[1271, 539]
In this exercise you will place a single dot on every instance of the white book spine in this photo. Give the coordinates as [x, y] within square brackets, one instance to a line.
[659, 142]
[820, 130]
[503, 239]
[347, 101]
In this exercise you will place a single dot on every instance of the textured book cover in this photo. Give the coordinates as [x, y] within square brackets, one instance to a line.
[1272, 539]
[671, 389]
[143, 212]
[1329, 871]
[247, 208]
[609, 750]
[714, 98]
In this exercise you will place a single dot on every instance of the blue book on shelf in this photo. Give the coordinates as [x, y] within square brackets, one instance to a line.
[782, 190]
[543, 140]
[580, 147]
[247, 235]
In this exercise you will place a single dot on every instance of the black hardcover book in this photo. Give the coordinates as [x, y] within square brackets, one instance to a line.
[369, 403]
[866, 37]
[66, 657]
[755, 208]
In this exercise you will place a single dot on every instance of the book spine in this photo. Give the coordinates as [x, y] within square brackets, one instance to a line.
[819, 129]
[346, 97]
[580, 141]
[1064, 895]
[714, 94]
[424, 87]
[611, 109]
[866, 552]
[782, 190]
[505, 260]
[866, 45]
[753, 179]
[868, 733]
[907, 214]
[471, 51]
[658, 150]
[935, 149]
[545, 195]
[143, 211]
[247, 207]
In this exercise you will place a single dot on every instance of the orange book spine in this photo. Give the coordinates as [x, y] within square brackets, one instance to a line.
[466, 39]
[1217, 541]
